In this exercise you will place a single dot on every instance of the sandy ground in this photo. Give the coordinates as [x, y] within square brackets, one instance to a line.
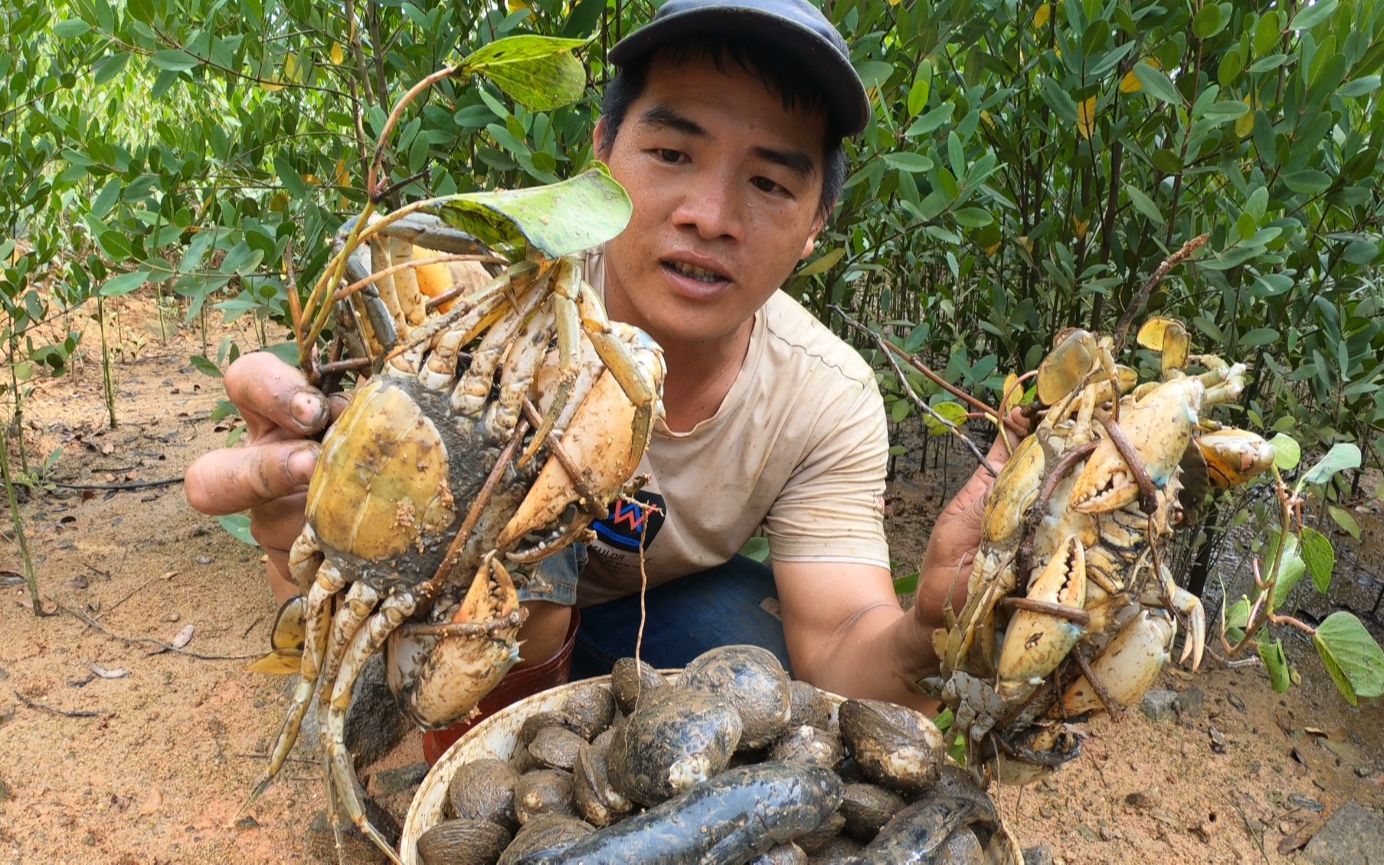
[116, 750]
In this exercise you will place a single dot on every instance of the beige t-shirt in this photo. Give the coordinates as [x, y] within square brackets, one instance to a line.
[799, 446]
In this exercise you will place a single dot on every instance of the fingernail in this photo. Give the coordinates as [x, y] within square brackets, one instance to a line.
[301, 464]
[307, 409]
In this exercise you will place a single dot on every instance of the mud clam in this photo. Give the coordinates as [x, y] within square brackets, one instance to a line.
[759, 806]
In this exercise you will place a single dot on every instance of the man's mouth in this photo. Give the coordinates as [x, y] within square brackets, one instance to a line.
[691, 271]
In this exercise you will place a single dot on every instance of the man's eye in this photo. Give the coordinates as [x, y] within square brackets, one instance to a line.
[669, 155]
[764, 184]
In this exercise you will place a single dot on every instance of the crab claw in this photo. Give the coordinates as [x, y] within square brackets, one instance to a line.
[1234, 456]
[1159, 426]
[1189, 607]
[1036, 642]
[1127, 668]
[440, 676]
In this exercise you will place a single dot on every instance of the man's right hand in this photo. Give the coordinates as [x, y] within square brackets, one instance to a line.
[268, 473]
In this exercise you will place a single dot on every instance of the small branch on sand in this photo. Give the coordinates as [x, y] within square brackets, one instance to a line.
[166, 647]
[63, 713]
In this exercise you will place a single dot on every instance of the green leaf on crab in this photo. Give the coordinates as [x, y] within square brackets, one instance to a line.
[555, 220]
[1352, 657]
[539, 72]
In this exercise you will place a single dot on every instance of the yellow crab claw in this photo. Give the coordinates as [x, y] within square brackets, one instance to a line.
[1035, 642]
[1159, 427]
[1234, 456]
[1127, 668]
[439, 679]
[1168, 337]
[1071, 359]
[1014, 490]
[599, 441]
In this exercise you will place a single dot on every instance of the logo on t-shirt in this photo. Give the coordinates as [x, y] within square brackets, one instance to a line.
[632, 521]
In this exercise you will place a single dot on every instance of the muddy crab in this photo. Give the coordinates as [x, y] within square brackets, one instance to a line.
[488, 438]
[1071, 608]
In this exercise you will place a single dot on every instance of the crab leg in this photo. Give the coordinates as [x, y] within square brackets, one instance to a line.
[367, 641]
[642, 390]
[329, 581]
[567, 287]
[471, 394]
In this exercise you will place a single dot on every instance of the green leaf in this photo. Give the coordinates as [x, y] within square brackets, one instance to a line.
[954, 413]
[289, 176]
[931, 120]
[1342, 456]
[873, 73]
[1237, 616]
[1157, 84]
[1308, 181]
[823, 263]
[1319, 556]
[1144, 204]
[1351, 655]
[913, 163]
[124, 283]
[1286, 452]
[907, 585]
[539, 72]
[173, 60]
[1225, 110]
[556, 220]
[973, 217]
[1290, 574]
[921, 89]
[1208, 21]
[238, 527]
[71, 28]
[1276, 664]
[1312, 15]
[1358, 87]
[204, 366]
[1345, 520]
[756, 548]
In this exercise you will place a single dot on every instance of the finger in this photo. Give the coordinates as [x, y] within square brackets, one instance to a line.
[269, 392]
[230, 480]
[277, 524]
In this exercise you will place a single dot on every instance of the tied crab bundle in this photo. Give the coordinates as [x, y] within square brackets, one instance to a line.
[1071, 606]
[497, 424]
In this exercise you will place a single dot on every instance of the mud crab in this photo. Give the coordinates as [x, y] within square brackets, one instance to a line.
[489, 437]
[1071, 608]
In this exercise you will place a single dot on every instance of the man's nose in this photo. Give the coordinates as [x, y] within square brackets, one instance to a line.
[712, 207]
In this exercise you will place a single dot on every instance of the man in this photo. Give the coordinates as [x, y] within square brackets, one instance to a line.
[725, 125]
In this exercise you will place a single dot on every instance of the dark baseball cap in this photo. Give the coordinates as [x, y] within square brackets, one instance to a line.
[796, 26]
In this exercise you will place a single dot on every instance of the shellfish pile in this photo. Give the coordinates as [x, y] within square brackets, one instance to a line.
[727, 762]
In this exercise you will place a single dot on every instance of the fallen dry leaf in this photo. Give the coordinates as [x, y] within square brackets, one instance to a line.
[170, 575]
[184, 636]
[108, 673]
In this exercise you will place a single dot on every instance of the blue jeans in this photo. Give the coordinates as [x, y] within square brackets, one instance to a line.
[683, 618]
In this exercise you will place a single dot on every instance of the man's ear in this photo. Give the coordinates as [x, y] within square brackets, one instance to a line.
[598, 138]
[818, 223]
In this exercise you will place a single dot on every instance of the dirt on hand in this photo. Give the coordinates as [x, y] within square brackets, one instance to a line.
[117, 747]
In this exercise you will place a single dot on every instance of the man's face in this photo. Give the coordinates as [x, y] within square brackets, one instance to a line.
[726, 185]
